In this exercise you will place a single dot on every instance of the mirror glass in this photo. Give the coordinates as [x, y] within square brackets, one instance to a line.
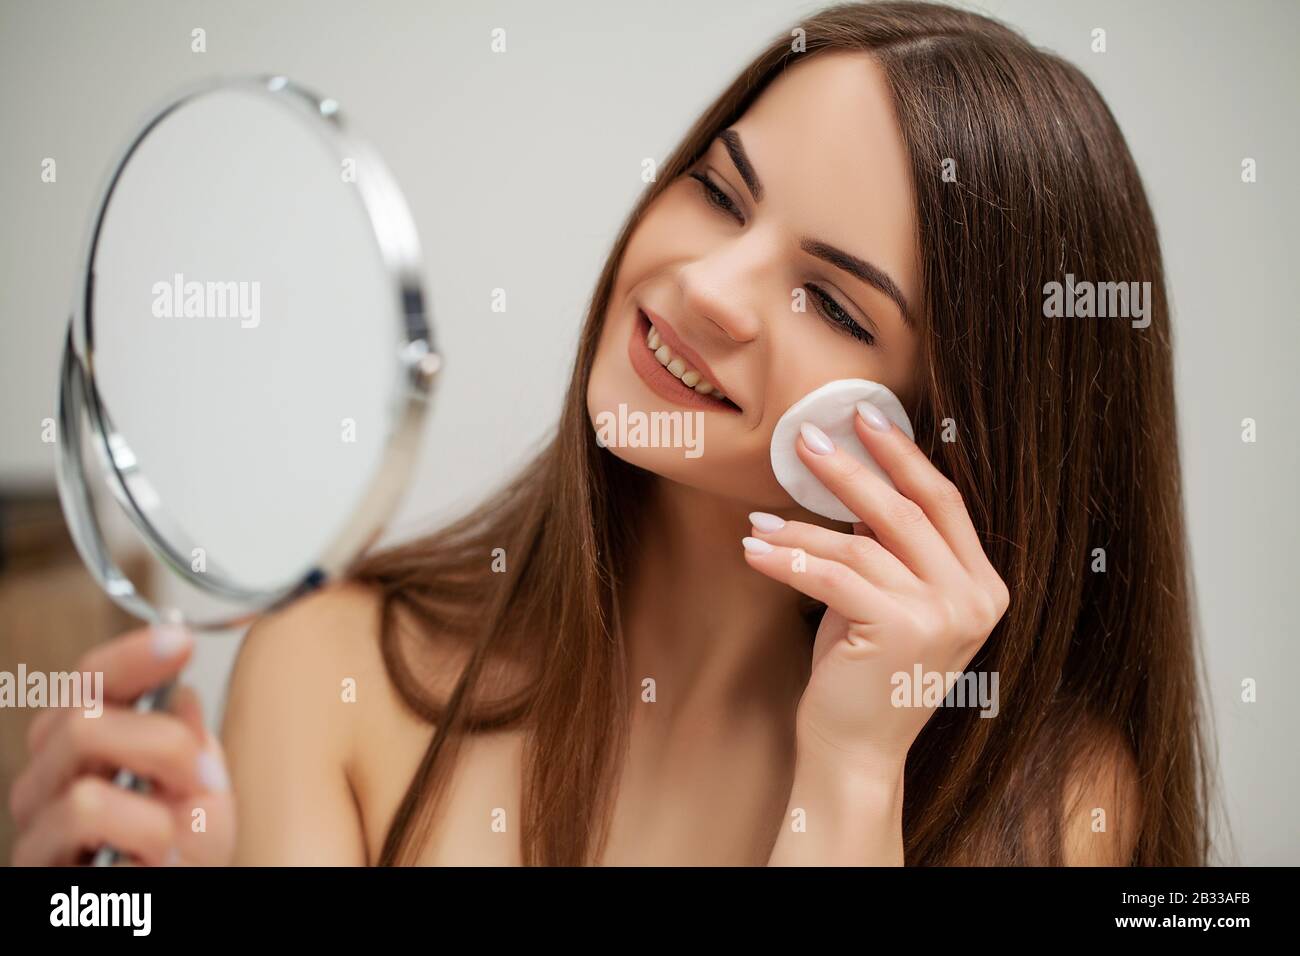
[245, 335]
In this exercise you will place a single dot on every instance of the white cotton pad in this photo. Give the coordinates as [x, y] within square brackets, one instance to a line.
[831, 408]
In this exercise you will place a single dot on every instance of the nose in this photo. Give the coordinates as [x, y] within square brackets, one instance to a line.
[727, 284]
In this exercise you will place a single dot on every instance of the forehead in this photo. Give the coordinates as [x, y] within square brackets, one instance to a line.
[825, 143]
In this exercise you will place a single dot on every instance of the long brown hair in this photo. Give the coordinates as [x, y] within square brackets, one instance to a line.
[1059, 432]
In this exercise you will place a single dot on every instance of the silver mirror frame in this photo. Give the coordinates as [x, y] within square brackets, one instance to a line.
[82, 415]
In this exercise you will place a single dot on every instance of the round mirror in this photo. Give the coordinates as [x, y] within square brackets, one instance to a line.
[250, 357]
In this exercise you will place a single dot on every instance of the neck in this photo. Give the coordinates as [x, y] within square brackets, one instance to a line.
[722, 642]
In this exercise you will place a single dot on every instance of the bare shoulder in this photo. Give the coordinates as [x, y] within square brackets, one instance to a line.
[309, 697]
[301, 657]
[324, 746]
[1103, 802]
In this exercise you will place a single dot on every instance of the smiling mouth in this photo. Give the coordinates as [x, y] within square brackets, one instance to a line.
[668, 375]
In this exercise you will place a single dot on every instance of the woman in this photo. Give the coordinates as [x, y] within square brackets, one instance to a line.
[592, 668]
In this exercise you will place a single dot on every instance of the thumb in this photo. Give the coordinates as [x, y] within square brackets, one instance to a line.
[185, 705]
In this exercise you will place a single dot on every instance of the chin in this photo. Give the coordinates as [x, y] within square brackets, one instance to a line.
[694, 448]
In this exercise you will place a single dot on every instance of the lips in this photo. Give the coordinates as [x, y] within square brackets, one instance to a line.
[678, 347]
[661, 381]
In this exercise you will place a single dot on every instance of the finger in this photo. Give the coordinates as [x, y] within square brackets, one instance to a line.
[91, 813]
[859, 551]
[154, 746]
[25, 794]
[916, 477]
[38, 731]
[837, 586]
[899, 523]
[140, 660]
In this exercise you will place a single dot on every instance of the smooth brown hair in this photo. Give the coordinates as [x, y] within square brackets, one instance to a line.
[1062, 440]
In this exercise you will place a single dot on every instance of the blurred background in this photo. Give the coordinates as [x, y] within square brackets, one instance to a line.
[521, 166]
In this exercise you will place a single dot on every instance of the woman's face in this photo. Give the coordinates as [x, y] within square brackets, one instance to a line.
[796, 265]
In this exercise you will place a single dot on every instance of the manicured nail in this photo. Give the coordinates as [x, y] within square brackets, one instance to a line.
[816, 439]
[873, 416]
[170, 639]
[212, 772]
[765, 522]
[755, 545]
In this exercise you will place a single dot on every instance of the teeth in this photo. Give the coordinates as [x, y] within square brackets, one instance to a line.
[675, 364]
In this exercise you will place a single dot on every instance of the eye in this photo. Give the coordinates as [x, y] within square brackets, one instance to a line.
[826, 304]
[833, 313]
[717, 198]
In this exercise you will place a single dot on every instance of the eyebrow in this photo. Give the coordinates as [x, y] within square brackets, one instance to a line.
[851, 264]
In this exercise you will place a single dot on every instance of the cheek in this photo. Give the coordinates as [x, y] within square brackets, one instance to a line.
[807, 353]
[671, 230]
[606, 386]
[609, 382]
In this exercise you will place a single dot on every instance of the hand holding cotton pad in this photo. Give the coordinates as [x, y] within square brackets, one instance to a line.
[831, 408]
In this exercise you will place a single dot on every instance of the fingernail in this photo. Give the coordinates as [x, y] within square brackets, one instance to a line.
[765, 522]
[873, 416]
[816, 439]
[212, 771]
[755, 545]
[170, 639]
[173, 857]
